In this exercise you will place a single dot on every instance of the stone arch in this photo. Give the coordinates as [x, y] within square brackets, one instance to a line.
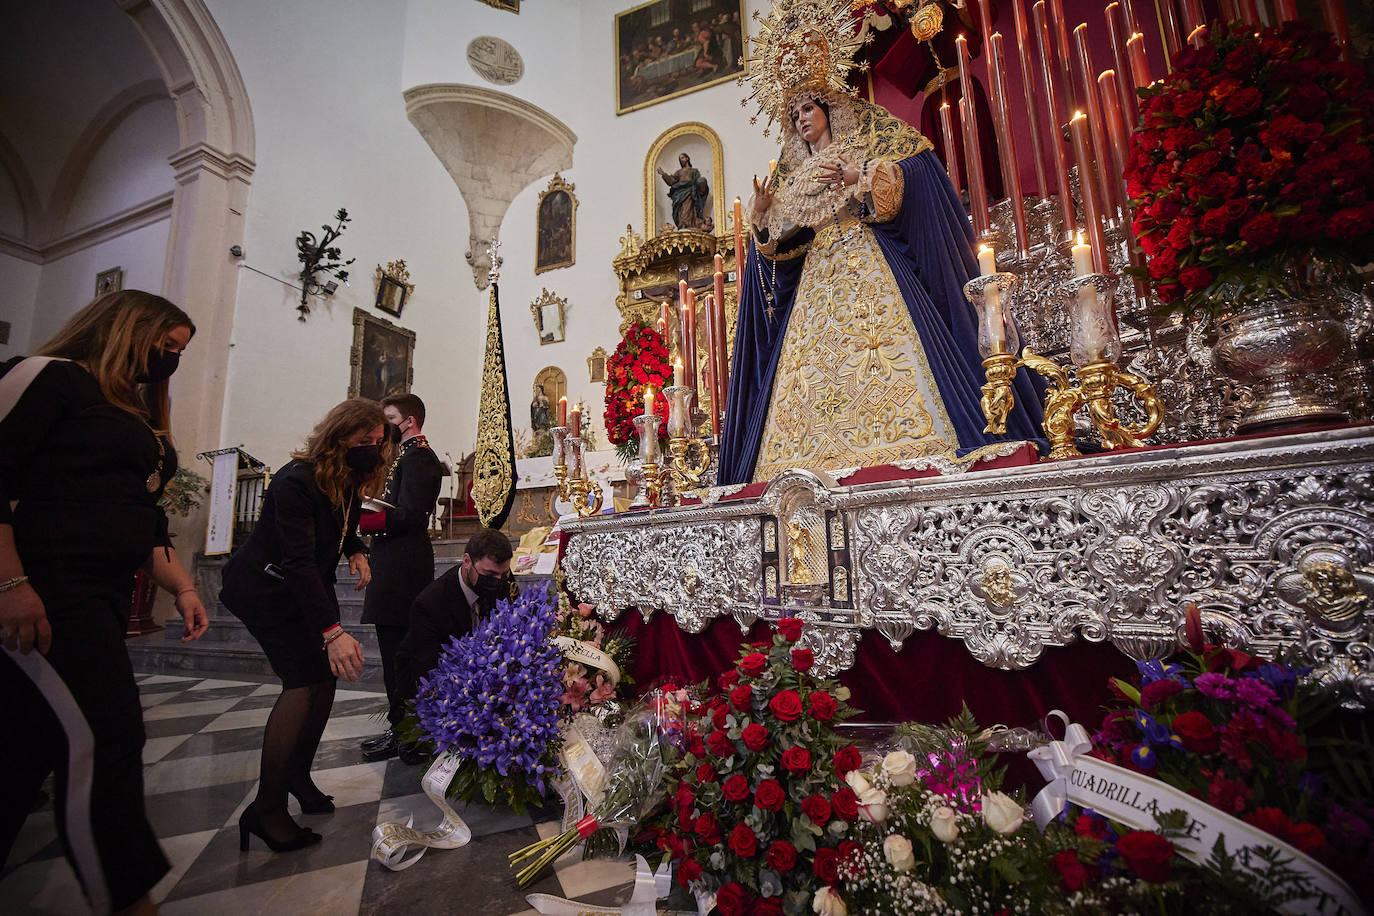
[494, 145]
[212, 169]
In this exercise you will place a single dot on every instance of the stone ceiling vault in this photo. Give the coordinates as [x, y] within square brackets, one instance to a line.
[494, 145]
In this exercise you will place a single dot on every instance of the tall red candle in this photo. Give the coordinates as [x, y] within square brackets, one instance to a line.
[716, 342]
[1140, 64]
[1287, 10]
[1116, 30]
[1028, 81]
[1057, 119]
[1193, 16]
[1059, 26]
[689, 336]
[973, 156]
[1097, 130]
[1118, 137]
[951, 150]
[739, 250]
[723, 353]
[1333, 14]
[1249, 14]
[665, 324]
[712, 394]
[1230, 12]
[1087, 180]
[1006, 143]
[1169, 31]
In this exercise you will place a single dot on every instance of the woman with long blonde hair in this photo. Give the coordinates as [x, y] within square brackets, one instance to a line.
[84, 457]
[280, 583]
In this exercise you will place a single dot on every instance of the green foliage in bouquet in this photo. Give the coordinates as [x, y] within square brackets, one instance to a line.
[760, 815]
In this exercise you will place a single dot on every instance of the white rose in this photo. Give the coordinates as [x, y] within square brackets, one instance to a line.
[828, 902]
[857, 782]
[944, 824]
[1002, 813]
[873, 805]
[900, 768]
[897, 851]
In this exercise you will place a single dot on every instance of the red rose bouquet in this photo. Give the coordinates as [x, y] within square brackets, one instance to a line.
[1252, 171]
[761, 815]
[640, 361]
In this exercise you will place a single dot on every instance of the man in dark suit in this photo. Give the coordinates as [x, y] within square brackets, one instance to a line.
[402, 556]
[451, 606]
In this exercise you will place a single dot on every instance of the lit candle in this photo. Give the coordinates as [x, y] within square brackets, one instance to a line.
[1333, 14]
[665, 324]
[648, 400]
[1028, 82]
[576, 418]
[1082, 257]
[1061, 40]
[987, 260]
[563, 411]
[1096, 130]
[712, 391]
[682, 340]
[951, 150]
[973, 158]
[677, 372]
[1087, 180]
[689, 357]
[1169, 31]
[715, 341]
[1140, 64]
[1125, 89]
[1117, 136]
[1056, 117]
[739, 250]
[1230, 12]
[1006, 142]
[723, 348]
[1197, 37]
[1193, 16]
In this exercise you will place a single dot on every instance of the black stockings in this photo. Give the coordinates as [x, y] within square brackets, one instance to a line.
[288, 749]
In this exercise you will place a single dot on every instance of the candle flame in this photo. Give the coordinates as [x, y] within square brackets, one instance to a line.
[1081, 25]
[1076, 116]
[678, 362]
[1080, 237]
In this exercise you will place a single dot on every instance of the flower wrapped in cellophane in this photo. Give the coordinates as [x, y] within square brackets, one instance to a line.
[492, 701]
[648, 745]
[596, 671]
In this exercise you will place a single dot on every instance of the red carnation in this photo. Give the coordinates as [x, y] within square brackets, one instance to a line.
[1094, 827]
[1072, 874]
[790, 628]
[1165, 263]
[1195, 277]
[787, 705]
[766, 906]
[736, 788]
[1156, 691]
[743, 843]
[846, 759]
[817, 808]
[1261, 230]
[796, 759]
[1197, 732]
[1306, 837]
[1229, 795]
[1147, 854]
[1186, 103]
[845, 803]
[741, 696]
[753, 664]
[731, 900]
[802, 659]
[1270, 820]
[823, 706]
[1242, 103]
[755, 737]
[781, 856]
[1350, 223]
[826, 865]
[769, 795]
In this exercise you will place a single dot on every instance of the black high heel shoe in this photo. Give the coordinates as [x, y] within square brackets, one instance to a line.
[249, 822]
[324, 804]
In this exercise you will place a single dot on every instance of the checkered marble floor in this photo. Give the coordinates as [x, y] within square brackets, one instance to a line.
[200, 770]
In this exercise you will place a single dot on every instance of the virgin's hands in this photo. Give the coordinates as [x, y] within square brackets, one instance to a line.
[24, 620]
[762, 200]
[843, 173]
[193, 616]
[345, 657]
[358, 566]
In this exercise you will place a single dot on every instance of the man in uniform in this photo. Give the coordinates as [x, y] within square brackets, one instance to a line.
[402, 557]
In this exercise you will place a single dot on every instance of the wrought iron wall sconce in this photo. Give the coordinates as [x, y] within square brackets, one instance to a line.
[321, 257]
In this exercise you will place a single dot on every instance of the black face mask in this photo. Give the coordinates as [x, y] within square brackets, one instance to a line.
[394, 433]
[161, 365]
[490, 586]
[363, 458]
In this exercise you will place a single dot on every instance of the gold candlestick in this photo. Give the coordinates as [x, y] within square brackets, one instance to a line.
[584, 494]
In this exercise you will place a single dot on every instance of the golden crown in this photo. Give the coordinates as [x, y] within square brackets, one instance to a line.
[803, 46]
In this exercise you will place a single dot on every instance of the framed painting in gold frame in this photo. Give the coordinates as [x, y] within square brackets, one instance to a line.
[382, 359]
[555, 241]
[668, 48]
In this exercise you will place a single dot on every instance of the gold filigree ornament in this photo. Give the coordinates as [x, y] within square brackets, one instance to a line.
[927, 22]
[802, 46]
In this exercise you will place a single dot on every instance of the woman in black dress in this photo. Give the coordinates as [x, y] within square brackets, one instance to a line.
[84, 456]
[280, 583]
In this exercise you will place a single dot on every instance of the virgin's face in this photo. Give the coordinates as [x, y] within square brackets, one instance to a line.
[812, 124]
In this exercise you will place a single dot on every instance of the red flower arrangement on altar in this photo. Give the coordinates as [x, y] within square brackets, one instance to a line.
[640, 361]
[1252, 172]
[761, 813]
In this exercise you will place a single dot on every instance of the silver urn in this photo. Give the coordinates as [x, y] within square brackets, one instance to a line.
[1285, 351]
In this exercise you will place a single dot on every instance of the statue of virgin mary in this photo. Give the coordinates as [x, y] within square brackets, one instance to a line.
[855, 345]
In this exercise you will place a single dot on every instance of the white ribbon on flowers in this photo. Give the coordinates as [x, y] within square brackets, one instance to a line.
[1055, 761]
[584, 652]
[649, 886]
[391, 842]
[1136, 800]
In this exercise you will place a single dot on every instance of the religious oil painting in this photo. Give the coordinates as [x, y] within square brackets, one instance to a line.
[555, 227]
[382, 358]
[667, 48]
[109, 281]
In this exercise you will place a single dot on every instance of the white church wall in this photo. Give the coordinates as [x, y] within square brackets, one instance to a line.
[19, 279]
[331, 132]
[130, 167]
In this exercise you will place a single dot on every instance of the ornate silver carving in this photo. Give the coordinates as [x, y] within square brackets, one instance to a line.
[1273, 538]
